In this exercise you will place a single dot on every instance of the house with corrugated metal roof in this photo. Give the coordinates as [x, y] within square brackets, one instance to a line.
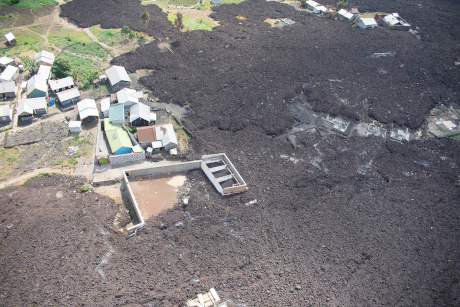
[365, 23]
[105, 106]
[37, 87]
[10, 38]
[10, 73]
[87, 110]
[117, 114]
[61, 85]
[5, 61]
[119, 141]
[69, 96]
[118, 78]
[346, 16]
[44, 58]
[167, 136]
[44, 71]
[28, 108]
[129, 97]
[7, 89]
[6, 114]
[145, 136]
[140, 115]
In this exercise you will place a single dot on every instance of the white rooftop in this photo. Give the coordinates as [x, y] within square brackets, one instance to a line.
[139, 110]
[88, 112]
[37, 82]
[68, 94]
[128, 95]
[60, 83]
[166, 134]
[86, 104]
[105, 104]
[27, 106]
[116, 74]
[8, 73]
[5, 60]
[44, 54]
[44, 71]
[9, 36]
[74, 124]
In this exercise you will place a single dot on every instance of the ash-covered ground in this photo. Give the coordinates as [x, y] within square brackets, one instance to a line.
[339, 221]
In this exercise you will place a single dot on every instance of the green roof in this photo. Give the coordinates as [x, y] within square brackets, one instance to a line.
[108, 126]
[116, 112]
[138, 148]
[118, 138]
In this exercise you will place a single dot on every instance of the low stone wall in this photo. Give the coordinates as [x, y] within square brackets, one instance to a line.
[117, 159]
[164, 169]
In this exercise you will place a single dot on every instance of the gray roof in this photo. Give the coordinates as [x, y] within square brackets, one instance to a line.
[44, 54]
[5, 60]
[5, 110]
[139, 110]
[61, 83]
[8, 87]
[28, 105]
[117, 74]
[8, 73]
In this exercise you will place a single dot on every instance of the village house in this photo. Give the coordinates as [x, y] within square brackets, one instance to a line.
[75, 126]
[61, 84]
[145, 136]
[28, 108]
[6, 114]
[140, 115]
[117, 114]
[7, 89]
[69, 96]
[44, 71]
[105, 106]
[118, 139]
[37, 87]
[392, 21]
[44, 58]
[167, 136]
[346, 16]
[118, 78]
[128, 97]
[10, 38]
[88, 110]
[10, 73]
[5, 61]
[365, 23]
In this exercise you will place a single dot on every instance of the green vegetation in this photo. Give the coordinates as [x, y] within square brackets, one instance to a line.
[72, 161]
[76, 41]
[125, 30]
[31, 4]
[5, 128]
[342, 5]
[185, 3]
[79, 66]
[178, 22]
[29, 65]
[8, 160]
[12, 158]
[7, 17]
[456, 137]
[145, 18]
[61, 68]
[105, 35]
[44, 175]
[197, 24]
[131, 129]
[84, 188]
[25, 41]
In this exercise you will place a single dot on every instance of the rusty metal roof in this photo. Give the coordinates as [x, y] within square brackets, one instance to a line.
[145, 134]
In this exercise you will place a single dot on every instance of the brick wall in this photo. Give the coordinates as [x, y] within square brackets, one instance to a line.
[117, 159]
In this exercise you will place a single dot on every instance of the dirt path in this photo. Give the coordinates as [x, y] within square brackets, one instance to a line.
[94, 38]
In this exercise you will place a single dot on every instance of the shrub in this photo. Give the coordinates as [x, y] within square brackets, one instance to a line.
[84, 188]
[342, 5]
[11, 158]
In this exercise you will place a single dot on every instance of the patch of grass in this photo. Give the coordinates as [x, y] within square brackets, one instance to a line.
[12, 158]
[31, 4]
[8, 161]
[26, 40]
[196, 24]
[7, 17]
[368, 15]
[79, 65]
[160, 3]
[456, 137]
[185, 3]
[72, 161]
[104, 35]
[76, 41]
[182, 138]
[5, 128]
[45, 175]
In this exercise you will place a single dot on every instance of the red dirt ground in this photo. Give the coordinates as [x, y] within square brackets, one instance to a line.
[338, 221]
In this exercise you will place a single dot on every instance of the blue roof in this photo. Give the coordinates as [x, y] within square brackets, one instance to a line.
[116, 112]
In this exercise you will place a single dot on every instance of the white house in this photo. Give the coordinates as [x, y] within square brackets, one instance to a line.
[44, 58]
[118, 78]
[105, 106]
[27, 108]
[75, 126]
[69, 96]
[6, 114]
[345, 15]
[44, 71]
[5, 61]
[9, 74]
[312, 4]
[365, 23]
[10, 38]
[61, 84]
[139, 115]
[37, 87]
[167, 136]
[87, 109]
[7, 89]
[129, 97]
[319, 9]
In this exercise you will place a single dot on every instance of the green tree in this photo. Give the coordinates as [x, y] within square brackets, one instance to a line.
[179, 22]
[89, 77]
[29, 65]
[145, 18]
[125, 30]
[61, 68]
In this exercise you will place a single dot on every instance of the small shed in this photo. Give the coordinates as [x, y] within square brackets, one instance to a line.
[37, 87]
[10, 38]
[129, 97]
[346, 16]
[6, 114]
[118, 78]
[44, 58]
[7, 89]
[5, 61]
[117, 114]
[61, 85]
[44, 71]
[392, 21]
[69, 96]
[365, 23]
[119, 141]
[75, 126]
[10, 73]
[88, 110]
[320, 9]
[105, 106]
[139, 115]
